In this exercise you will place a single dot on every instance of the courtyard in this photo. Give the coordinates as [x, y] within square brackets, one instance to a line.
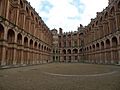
[61, 76]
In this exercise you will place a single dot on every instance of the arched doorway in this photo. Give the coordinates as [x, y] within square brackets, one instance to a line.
[19, 51]
[108, 52]
[26, 52]
[98, 53]
[1, 38]
[115, 51]
[10, 52]
[31, 53]
[102, 53]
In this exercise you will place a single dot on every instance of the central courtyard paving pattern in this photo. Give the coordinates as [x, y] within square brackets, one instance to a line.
[61, 76]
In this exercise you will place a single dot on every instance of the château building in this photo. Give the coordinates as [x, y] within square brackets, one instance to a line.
[26, 40]
[24, 37]
[98, 42]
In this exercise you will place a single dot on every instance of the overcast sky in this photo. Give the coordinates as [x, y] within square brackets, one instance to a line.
[67, 14]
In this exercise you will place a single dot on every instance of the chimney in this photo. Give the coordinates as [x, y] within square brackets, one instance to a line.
[60, 30]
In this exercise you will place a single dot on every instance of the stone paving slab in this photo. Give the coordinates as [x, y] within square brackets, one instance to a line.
[34, 78]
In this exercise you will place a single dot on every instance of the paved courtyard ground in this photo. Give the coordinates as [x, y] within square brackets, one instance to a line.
[62, 76]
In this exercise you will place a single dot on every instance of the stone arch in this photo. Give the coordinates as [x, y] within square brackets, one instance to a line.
[21, 4]
[80, 50]
[32, 16]
[75, 51]
[97, 46]
[1, 37]
[31, 43]
[87, 49]
[25, 41]
[102, 45]
[106, 15]
[27, 10]
[44, 48]
[112, 10]
[11, 36]
[39, 46]
[10, 50]
[90, 48]
[69, 51]
[114, 42]
[118, 5]
[93, 47]
[19, 39]
[19, 52]
[64, 51]
[115, 51]
[107, 43]
[35, 45]
[1, 31]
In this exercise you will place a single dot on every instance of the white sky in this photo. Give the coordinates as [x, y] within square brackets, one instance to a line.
[67, 14]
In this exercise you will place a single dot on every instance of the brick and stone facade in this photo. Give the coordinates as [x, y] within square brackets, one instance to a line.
[98, 42]
[24, 37]
[26, 40]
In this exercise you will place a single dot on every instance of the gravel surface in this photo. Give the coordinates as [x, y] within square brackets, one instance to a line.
[61, 76]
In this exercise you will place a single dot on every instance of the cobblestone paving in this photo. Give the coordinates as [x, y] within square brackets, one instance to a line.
[43, 77]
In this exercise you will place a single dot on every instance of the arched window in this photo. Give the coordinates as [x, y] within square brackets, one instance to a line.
[75, 51]
[35, 45]
[26, 42]
[64, 51]
[1, 32]
[102, 45]
[21, 4]
[97, 46]
[107, 43]
[19, 39]
[114, 42]
[31, 43]
[69, 51]
[11, 36]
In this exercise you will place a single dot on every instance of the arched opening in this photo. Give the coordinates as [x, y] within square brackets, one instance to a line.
[108, 53]
[75, 51]
[26, 42]
[118, 5]
[19, 51]
[31, 43]
[97, 46]
[1, 32]
[112, 11]
[69, 51]
[114, 42]
[44, 48]
[35, 45]
[19, 39]
[107, 43]
[32, 16]
[39, 46]
[27, 10]
[80, 50]
[10, 52]
[11, 36]
[102, 53]
[93, 46]
[102, 45]
[115, 51]
[1, 37]
[90, 48]
[25, 51]
[21, 4]
[64, 51]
